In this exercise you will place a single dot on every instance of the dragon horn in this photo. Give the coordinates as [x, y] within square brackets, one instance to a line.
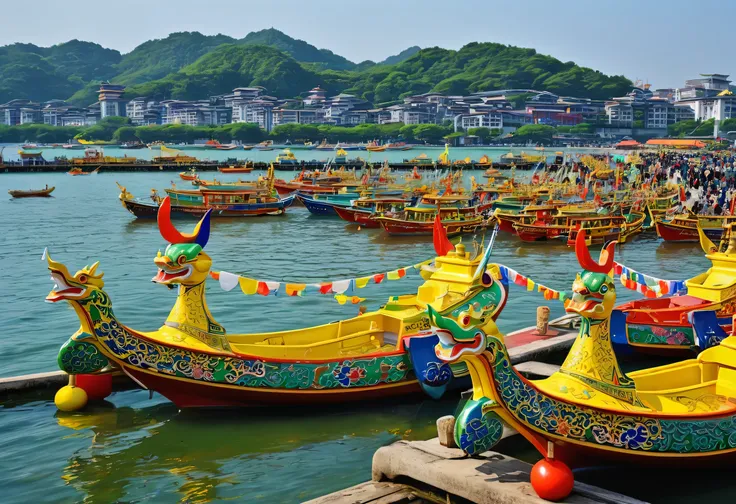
[587, 262]
[202, 231]
[166, 227]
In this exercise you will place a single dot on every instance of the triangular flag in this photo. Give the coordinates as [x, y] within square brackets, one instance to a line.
[362, 282]
[442, 244]
[263, 289]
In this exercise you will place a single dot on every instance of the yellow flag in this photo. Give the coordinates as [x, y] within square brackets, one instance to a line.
[529, 284]
[362, 282]
[248, 285]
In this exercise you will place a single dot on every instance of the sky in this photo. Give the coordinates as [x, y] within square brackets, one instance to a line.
[657, 41]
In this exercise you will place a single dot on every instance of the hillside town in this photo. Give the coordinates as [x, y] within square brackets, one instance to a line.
[642, 112]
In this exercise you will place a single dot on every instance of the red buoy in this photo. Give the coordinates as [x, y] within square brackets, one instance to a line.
[552, 479]
[97, 386]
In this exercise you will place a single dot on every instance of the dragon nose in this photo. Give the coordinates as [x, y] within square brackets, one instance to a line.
[582, 290]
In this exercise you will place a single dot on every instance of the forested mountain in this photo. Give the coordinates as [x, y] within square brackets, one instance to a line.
[403, 55]
[190, 65]
[42, 73]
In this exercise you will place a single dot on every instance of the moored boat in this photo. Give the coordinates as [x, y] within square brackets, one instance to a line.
[591, 410]
[456, 216]
[684, 228]
[235, 169]
[194, 362]
[32, 193]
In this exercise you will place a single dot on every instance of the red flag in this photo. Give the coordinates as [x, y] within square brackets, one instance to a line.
[733, 201]
[682, 194]
[442, 244]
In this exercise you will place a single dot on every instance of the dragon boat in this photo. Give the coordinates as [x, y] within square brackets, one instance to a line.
[684, 228]
[681, 413]
[193, 361]
[682, 322]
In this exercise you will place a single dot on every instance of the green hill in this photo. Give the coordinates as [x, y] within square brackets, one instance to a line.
[228, 67]
[403, 55]
[190, 65]
[44, 73]
[298, 49]
[158, 58]
[482, 67]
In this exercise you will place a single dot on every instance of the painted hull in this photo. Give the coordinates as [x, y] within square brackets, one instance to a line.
[286, 188]
[402, 227]
[664, 325]
[506, 223]
[146, 210]
[236, 170]
[364, 218]
[196, 395]
[317, 207]
[679, 233]
[531, 233]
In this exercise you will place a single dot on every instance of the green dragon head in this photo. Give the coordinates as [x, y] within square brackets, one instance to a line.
[456, 339]
[184, 260]
[593, 292]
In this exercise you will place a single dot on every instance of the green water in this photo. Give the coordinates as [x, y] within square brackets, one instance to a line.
[143, 450]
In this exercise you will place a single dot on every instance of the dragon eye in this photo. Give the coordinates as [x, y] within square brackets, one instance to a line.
[464, 319]
[181, 260]
[604, 289]
[82, 279]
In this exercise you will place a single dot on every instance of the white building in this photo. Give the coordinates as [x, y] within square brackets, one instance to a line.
[297, 116]
[491, 120]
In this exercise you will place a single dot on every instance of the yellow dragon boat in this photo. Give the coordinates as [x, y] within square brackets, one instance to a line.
[193, 361]
[591, 409]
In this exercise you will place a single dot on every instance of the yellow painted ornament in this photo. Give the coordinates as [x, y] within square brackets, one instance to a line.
[70, 398]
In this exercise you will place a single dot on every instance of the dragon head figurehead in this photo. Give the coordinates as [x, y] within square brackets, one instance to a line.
[76, 287]
[184, 260]
[457, 338]
[593, 291]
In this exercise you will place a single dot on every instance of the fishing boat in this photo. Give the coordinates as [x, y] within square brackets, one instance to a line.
[597, 229]
[591, 410]
[402, 146]
[32, 193]
[456, 216]
[236, 169]
[227, 147]
[364, 211]
[244, 202]
[266, 145]
[189, 176]
[248, 147]
[376, 148]
[78, 171]
[194, 362]
[73, 146]
[684, 228]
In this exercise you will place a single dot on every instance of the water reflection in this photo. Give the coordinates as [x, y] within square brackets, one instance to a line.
[198, 455]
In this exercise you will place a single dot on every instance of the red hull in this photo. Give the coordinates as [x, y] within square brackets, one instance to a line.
[361, 217]
[396, 227]
[538, 233]
[235, 170]
[286, 188]
[676, 233]
[506, 224]
[193, 394]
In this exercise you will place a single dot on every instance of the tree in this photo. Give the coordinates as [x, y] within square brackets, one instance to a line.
[484, 134]
[431, 133]
[538, 133]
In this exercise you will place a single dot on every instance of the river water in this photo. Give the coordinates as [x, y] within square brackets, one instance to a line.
[137, 449]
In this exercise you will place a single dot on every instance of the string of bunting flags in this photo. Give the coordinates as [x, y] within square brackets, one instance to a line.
[649, 286]
[343, 290]
[510, 275]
